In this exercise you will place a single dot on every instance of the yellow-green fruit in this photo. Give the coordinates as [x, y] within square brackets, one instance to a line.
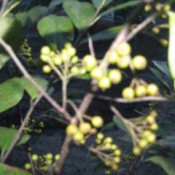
[147, 8]
[89, 62]
[115, 76]
[139, 62]
[156, 30]
[143, 143]
[78, 137]
[136, 151]
[85, 127]
[140, 90]
[34, 157]
[154, 127]
[104, 83]
[128, 93]
[49, 156]
[150, 119]
[114, 167]
[100, 136]
[117, 152]
[75, 70]
[97, 121]
[108, 140]
[74, 60]
[71, 129]
[57, 157]
[117, 159]
[124, 49]
[71, 51]
[112, 57]
[44, 58]
[45, 50]
[97, 73]
[27, 166]
[64, 56]
[57, 60]
[152, 89]
[124, 62]
[151, 138]
[46, 69]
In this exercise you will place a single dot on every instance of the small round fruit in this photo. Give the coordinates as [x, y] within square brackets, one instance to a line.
[57, 157]
[71, 129]
[78, 137]
[49, 156]
[45, 50]
[136, 151]
[89, 62]
[97, 73]
[124, 62]
[139, 62]
[44, 58]
[27, 166]
[114, 166]
[112, 57]
[128, 93]
[143, 143]
[117, 159]
[75, 70]
[140, 91]
[150, 119]
[115, 76]
[108, 140]
[71, 51]
[100, 136]
[152, 89]
[74, 60]
[117, 152]
[124, 49]
[57, 60]
[34, 157]
[151, 138]
[154, 127]
[147, 8]
[104, 83]
[156, 30]
[46, 69]
[85, 127]
[97, 121]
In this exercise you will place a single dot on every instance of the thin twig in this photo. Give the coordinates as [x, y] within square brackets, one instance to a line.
[4, 6]
[37, 86]
[19, 133]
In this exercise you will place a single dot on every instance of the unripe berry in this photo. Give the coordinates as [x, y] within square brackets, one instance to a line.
[143, 143]
[78, 137]
[89, 62]
[139, 62]
[71, 129]
[152, 89]
[49, 156]
[97, 121]
[150, 119]
[140, 91]
[85, 127]
[115, 76]
[27, 166]
[154, 127]
[97, 73]
[128, 93]
[136, 151]
[57, 60]
[45, 50]
[112, 57]
[124, 49]
[34, 157]
[46, 69]
[124, 62]
[104, 83]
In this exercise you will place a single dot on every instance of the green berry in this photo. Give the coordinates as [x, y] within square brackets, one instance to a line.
[78, 137]
[139, 62]
[115, 76]
[71, 129]
[124, 62]
[143, 143]
[112, 57]
[97, 73]
[128, 93]
[124, 49]
[140, 91]
[46, 69]
[27, 166]
[152, 89]
[85, 127]
[104, 83]
[89, 62]
[45, 50]
[97, 121]
[136, 151]
[34, 157]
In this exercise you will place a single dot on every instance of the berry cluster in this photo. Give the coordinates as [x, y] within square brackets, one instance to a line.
[32, 126]
[139, 88]
[64, 62]
[108, 152]
[81, 132]
[146, 135]
[42, 163]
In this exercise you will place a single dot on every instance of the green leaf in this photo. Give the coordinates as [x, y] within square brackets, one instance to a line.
[7, 137]
[107, 34]
[108, 126]
[166, 164]
[171, 53]
[120, 124]
[81, 13]
[56, 30]
[10, 170]
[53, 4]
[11, 92]
[10, 32]
[23, 17]
[120, 7]
[24, 139]
[31, 90]
[36, 13]
[97, 3]
[3, 59]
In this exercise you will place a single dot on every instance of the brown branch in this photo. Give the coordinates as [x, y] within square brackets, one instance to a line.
[37, 86]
